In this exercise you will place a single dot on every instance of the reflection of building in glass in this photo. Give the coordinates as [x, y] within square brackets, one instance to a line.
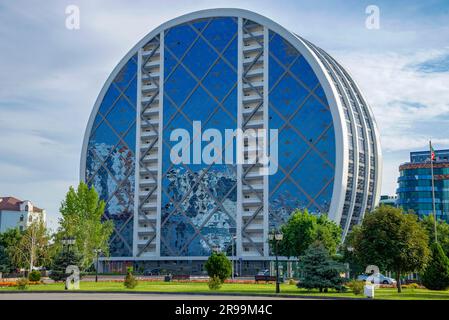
[229, 69]
[415, 184]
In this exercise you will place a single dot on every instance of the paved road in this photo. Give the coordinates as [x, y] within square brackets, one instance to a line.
[125, 296]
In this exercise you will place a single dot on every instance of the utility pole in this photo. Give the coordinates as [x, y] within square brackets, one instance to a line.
[97, 251]
[276, 236]
[432, 158]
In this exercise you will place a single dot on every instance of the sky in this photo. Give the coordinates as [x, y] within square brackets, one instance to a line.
[50, 76]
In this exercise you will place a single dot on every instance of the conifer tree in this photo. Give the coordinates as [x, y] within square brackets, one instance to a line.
[320, 271]
[436, 275]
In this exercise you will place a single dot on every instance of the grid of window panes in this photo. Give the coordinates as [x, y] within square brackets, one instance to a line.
[361, 123]
[415, 190]
[351, 138]
[198, 207]
[298, 108]
[110, 156]
[424, 156]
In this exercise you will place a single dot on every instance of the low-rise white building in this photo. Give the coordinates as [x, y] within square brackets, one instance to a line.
[15, 213]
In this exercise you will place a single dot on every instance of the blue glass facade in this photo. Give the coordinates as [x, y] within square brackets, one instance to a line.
[198, 200]
[226, 71]
[110, 158]
[415, 184]
[298, 108]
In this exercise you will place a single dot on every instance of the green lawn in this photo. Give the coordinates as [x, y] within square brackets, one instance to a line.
[407, 294]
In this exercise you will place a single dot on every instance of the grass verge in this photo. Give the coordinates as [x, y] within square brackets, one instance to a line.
[235, 288]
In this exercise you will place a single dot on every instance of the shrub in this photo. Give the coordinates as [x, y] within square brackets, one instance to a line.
[34, 276]
[214, 283]
[22, 283]
[292, 282]
[130, 280]
[218, 265]
[436, 275]
[356, 286]
[413, 286]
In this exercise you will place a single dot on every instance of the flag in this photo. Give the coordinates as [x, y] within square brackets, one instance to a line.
[432, 153]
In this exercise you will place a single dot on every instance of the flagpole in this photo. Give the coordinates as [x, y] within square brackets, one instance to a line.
[433, 191]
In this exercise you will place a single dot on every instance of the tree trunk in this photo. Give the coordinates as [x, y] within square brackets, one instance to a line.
[32, 255]
[31, 260]
[398, 280]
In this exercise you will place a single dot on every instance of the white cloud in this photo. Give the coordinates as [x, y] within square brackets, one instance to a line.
[410, 106]
[51, 76]
[407, 102]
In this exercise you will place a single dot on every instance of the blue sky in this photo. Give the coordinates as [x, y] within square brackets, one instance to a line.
[50, 76]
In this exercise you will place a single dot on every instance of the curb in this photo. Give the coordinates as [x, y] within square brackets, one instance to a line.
[187, 293]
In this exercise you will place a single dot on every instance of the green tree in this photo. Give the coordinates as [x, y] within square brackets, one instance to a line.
[299, 232]
[9, 240]
[33, 248]
[319, 270]
[393, 241]
[82, 213]
[303, 228]
[218, 265]
[442, 232]
[436, 274]
[328, 233]
[348, 254]
[60, 262]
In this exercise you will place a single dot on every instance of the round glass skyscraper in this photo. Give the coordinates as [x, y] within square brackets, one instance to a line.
[199, 79]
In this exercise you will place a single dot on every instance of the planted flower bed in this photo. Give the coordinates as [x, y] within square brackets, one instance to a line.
[14, 283]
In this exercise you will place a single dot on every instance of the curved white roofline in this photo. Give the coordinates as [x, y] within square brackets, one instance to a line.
[324, 76]
[341, 163]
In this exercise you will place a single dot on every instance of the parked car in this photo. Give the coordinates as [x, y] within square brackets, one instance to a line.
[265, 272]
[377, 278]
[152, 272]
[264, 275]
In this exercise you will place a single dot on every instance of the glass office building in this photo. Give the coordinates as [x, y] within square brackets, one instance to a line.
[415, 184]
[226, 69]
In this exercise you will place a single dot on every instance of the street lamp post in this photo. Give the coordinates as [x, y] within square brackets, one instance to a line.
[97, 252]
[351, 251]
[66, 243]
[233, 256]
[276, 236]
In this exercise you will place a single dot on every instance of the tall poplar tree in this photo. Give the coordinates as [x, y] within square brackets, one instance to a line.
[82, 212]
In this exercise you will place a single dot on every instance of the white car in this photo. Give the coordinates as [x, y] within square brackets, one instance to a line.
[377, 278]
[265, 272]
